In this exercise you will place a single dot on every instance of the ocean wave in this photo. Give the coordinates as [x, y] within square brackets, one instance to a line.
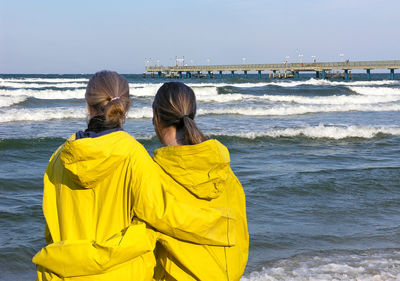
[153, 87]
[17, 85]
[316, 132]
[41, 114]
[377, 265]
[331, 132]
[366, 96]
[334, 100]
[287, 110]
[295, 83]
[325, 82]
[44, 114]
[45, 80]
[203, 94]
[6, 101]
[376, 91]
[45, 94]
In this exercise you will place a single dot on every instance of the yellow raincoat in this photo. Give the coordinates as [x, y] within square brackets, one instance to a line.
[97, 193]
[205, 172]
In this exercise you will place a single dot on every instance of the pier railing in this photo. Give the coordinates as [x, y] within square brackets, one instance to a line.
[313, 66]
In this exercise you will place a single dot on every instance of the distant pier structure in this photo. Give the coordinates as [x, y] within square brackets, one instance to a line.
[322, 70]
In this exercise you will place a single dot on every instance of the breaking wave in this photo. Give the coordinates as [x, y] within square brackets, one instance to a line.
[15, 85]
[311, 81]
[287, 110]
[317, 132]
[46, 80]
[376, 91]
[369, 265]
[6, 101]
[40, 114]
[45, 94]
[322, 82]
[43, 114]
[342, 99]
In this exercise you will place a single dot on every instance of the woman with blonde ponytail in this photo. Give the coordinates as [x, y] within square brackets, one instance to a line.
[202, 168]
[104, 196]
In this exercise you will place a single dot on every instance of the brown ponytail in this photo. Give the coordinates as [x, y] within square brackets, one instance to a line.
[107, 93]
[175, 105]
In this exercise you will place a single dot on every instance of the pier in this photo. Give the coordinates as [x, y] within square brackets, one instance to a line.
[322, 70]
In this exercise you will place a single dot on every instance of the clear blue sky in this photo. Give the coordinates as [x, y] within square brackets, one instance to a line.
[86, 36]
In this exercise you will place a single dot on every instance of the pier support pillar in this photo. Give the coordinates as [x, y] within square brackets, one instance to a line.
[368, 74]
[152, 75]
[220, 74]
[392, 74]
[159, 74]
[209, 75]
[198, 74]
[273, 74]
[245, 74]
[296, 75]
[259, 74]
[232, 73]
[323, 74]
[346, 74]
[180, 74]
[317, 74]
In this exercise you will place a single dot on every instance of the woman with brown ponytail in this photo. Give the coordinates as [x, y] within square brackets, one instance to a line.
[104, 195]
[202, 167]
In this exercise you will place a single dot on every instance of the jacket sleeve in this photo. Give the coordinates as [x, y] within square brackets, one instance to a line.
[155, 203]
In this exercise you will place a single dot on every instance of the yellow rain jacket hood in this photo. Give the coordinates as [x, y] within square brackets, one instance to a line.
[204, 170]
[98, 194]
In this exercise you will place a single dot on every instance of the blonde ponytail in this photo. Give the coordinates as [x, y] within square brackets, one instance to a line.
[107, 93]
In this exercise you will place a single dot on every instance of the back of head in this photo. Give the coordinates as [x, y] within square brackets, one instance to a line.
[107, 94]
[175, 105]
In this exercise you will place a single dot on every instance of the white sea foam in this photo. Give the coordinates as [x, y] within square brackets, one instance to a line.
[10, 100]
[322, 82]
[223, 98]
[137, 113]
[40, 114]
[143, 90]
[49, 80]
[295, 83]
[286, 110]
[371, 265]
[45, 94]
[236, 85]
[342, 99]
[17, 85]
[210, 94]
[376, 91]
[204, 94]
[317, 132]
[43, 114]
[150, 90]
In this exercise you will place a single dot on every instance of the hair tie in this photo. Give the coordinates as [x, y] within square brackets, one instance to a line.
[114, 98]
[185, 116]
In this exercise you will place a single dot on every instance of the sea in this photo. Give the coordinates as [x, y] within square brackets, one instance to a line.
[319, 161]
